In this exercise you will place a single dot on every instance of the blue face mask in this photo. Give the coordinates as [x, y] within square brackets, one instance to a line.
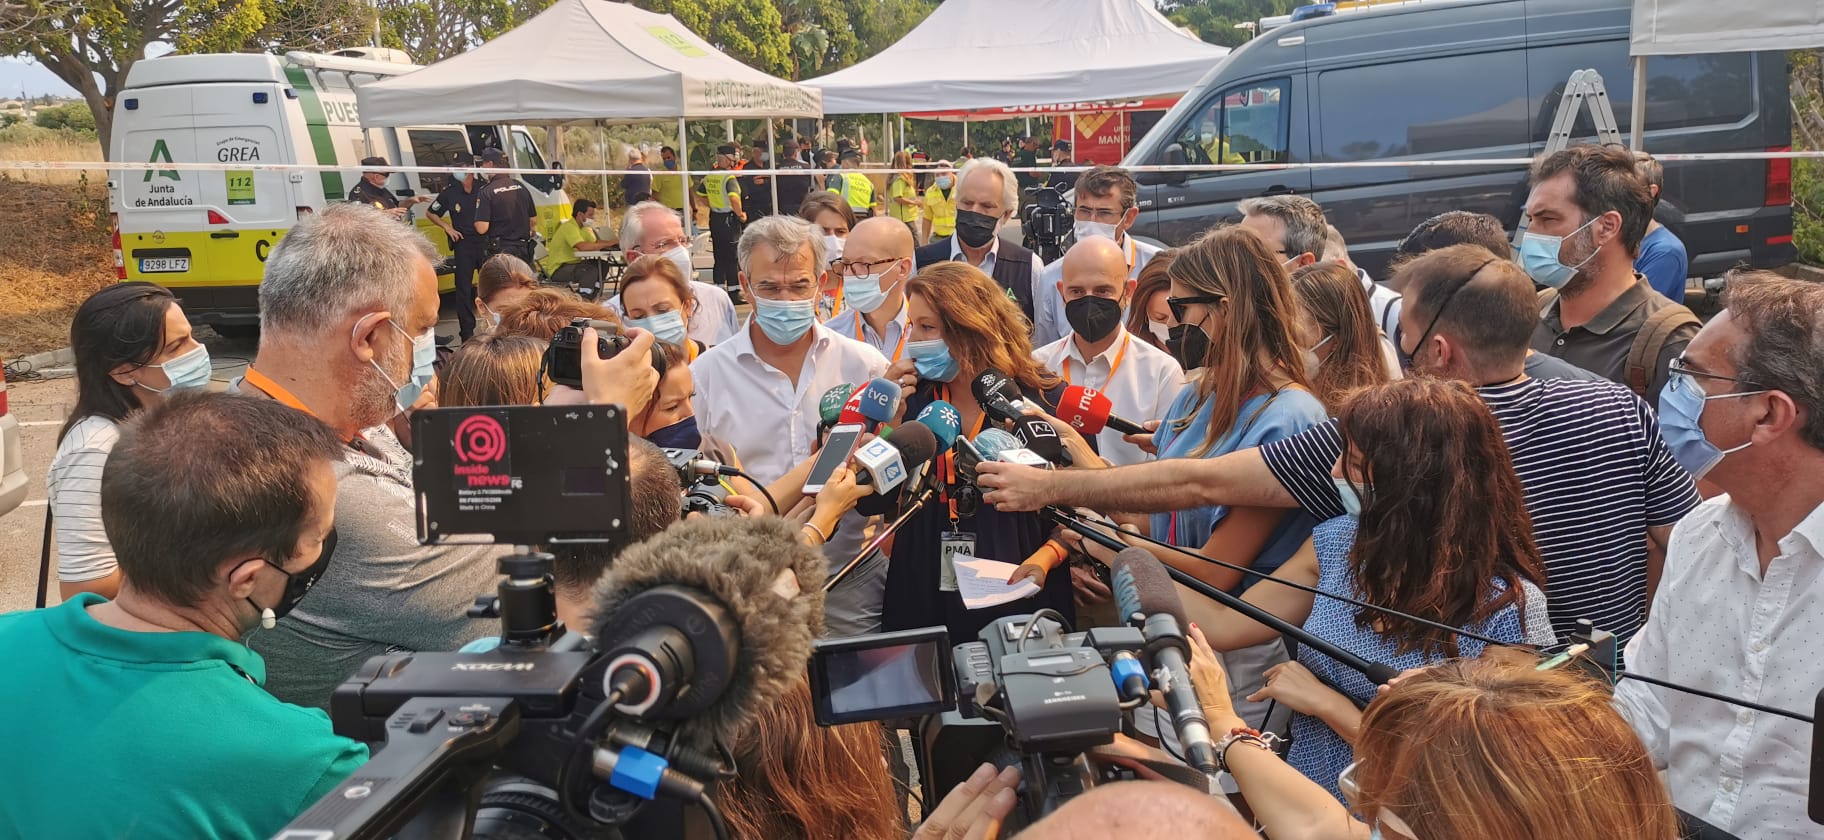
[1539, 256]
[424, 355]
[680, 435]
[1353, 499]
[186, 372]
[665, 326]
[931, 358]
[1681, 410]
[784, 321]
[863, 293]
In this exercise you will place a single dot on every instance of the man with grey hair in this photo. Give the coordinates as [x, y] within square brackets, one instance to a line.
[652, 229]
[1384, 302]
[348, 309]
[636, 187]
[1741, 602]
[759, 391]
[1292, 226]
[987, 196]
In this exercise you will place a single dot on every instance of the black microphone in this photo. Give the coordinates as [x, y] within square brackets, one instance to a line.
[1038, 436]
[1376, 672]
[709, 621]
[1144, 592]
[999, 396]
[916, 447]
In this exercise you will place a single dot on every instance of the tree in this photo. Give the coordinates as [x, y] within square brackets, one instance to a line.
[73, 116]
[749, 31]
[1214, 20]
[433, 30]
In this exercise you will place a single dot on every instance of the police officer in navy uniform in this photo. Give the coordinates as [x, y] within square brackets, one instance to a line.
[454, 211]
[371, 190]
[505, 210]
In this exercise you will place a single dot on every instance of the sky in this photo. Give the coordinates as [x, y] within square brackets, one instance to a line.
[15, 73]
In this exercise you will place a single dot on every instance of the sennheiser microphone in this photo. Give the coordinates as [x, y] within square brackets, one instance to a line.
[1144, 594]
[1089, 411]
[709, 621]
[691, 464]
[999, 396]
[879, 402]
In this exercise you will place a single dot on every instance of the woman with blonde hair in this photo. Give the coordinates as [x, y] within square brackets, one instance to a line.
[833, 217]
[1491, 748]
[494, 369]
[500, 283]
[961, 324]
[1351, 352]
[903, 201]
[540, 313]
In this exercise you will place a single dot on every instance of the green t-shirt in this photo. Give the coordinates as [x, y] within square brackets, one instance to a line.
[560, 249]
[151, 735]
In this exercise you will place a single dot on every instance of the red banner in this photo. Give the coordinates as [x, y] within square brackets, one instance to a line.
[1014, 112]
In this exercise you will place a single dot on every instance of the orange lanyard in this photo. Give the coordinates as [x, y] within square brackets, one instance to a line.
[860, 318]
[1119, 355]
[690, 350]
[947, 465]
[285, 397]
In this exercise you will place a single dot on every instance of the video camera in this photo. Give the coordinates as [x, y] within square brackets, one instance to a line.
[548, 734]
[703, 490]
[563, 360]
[1025, 691]
[1046, 220]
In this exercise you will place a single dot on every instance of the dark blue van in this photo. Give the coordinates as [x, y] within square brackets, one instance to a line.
[1477, 79]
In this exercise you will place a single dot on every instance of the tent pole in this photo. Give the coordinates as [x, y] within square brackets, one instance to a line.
[1637, 109]
[601, 144]
[728, 130]
[683, 170]
[772, 162]
[1073, 139]
[965, 132]
[902, 129]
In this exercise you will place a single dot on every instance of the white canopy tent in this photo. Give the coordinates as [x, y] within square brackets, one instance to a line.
[588, 61]
[971, 54]
[1687, 27]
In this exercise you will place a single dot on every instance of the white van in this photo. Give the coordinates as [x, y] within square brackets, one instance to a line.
[205, 234]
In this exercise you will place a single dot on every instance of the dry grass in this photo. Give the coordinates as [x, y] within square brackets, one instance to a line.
[54, 253]
[50, 146]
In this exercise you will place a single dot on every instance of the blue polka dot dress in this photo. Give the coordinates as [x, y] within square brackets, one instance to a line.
[1317, 751]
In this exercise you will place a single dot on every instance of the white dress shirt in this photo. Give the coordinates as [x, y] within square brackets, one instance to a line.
[1717, 623]
[850, 323]
[1049, 323]
[1142, 388]
[714, 321]
[994, 250]
[771, 421]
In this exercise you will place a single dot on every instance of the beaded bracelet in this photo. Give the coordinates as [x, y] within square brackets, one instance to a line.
[1243, 734]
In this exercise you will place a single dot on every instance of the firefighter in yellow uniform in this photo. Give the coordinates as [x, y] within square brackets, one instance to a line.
[856, 188]
[723, 192]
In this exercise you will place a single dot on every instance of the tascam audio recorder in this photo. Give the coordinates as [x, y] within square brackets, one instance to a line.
[205, 234]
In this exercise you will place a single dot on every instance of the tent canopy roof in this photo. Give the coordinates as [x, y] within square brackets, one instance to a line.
[583, 61]
[972, 54]
[1686, 27]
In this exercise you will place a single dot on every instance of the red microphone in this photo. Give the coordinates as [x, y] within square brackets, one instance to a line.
[851, 410]
[1088, 411]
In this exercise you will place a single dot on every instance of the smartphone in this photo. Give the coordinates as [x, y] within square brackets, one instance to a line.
[835, 452]
[967, 457]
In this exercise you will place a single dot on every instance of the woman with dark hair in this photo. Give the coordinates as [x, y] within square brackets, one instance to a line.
[961, 324]
[795, 780]
[1438, 528]
[1148, 317]
[831, 213]
[133, 347]
[1351, 352]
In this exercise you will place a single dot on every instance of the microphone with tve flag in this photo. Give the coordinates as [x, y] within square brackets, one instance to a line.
[943, 420]
[1145, 596]
[829, 409]
[878, 402]
[1089, 411]
[999, 396]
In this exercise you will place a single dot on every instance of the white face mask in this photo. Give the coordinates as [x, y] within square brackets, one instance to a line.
[832, 247]
[680, 257]
[1085, 230]
[1159, 330]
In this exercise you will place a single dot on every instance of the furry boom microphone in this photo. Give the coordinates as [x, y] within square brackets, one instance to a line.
[710, 620]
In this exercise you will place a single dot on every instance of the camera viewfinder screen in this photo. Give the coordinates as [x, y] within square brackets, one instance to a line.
[862, 682]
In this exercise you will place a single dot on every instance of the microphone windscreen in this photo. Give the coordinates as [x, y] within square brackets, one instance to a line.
[880, 504]
[742, 564]
[1037, 435]
[1085, 409]
[996, 393]
[993, 442]
[880, 400]
[830, 407]
[1142, 585]
[917, 445]
[943, 420]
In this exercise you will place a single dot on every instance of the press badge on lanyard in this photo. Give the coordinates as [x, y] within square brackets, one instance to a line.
[953, 544]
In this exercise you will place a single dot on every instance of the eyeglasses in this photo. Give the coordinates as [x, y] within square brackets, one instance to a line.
[1679, 366]
[1098, 214]
[668, 244]
[1426, 335]
[858, 268]
[1352, 793]
[794, 291]
[1178, 305]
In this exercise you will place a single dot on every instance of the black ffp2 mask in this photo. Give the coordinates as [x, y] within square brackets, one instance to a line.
[974, 229]
[1189, 344]
[1093, 317]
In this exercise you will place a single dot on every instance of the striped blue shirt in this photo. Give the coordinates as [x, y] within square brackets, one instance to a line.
[1596, 475]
